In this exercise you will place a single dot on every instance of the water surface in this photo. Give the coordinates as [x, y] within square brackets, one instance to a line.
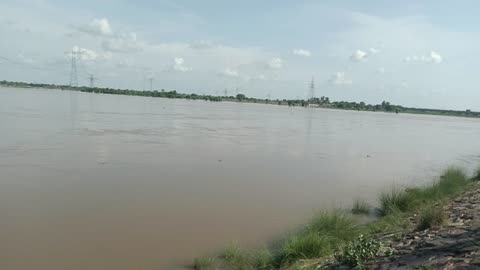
[90, 181]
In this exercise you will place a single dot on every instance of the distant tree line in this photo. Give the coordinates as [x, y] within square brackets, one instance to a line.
[323, 102]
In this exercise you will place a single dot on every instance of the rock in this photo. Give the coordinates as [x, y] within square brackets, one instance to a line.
[429, 244]
[408, 243]
[475, 261]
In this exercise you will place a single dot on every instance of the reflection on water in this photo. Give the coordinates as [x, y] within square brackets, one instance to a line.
[117, 182]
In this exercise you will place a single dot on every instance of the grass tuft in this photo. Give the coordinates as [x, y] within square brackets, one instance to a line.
[393, 221]
[393, 201]
[476, 176]
[306, 246]
[431, 216]
[360, 208]
[451, 182]
[319, 238]
[204, 263]
[336, 224]
[263, 259]
[236, 258]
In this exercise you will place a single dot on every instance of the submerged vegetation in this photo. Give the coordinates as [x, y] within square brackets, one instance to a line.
[360, 207]
[322, 102]
[337, 234]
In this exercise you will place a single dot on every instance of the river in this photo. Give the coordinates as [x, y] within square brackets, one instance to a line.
[91, 181]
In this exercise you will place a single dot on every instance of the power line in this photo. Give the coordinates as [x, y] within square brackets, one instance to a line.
[27, 66]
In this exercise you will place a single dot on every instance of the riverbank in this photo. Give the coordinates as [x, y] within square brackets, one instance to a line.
[426, 227]
[314, 102]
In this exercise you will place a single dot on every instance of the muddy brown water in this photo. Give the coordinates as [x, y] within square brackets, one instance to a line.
[90, 181]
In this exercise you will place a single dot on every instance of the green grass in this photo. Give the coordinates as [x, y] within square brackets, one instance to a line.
[431, 216]
[393, 201]
[452, 181]
[336, 224]
[476, 176]
[306, 246]
[360, 207]
[392, 222]
[263, 259]
[237, 259]
[318, 238]
[204, 263]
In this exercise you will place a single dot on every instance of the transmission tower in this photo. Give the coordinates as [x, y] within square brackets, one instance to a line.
[92, 80]
[73, 69]
[151, 83]
[225, 92]
[312, 89]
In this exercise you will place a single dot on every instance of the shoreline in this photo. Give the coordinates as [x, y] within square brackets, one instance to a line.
[426, 227]
[317, 103]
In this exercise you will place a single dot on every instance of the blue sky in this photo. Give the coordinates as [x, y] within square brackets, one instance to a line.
[415, 53]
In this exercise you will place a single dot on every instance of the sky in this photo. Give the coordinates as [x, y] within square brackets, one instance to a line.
[414, 53]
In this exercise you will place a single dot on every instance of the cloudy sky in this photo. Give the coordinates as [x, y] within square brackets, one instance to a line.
[415, 53]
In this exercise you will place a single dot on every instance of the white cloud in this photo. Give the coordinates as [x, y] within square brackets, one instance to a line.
[339, 78]
[436, 58]
[381, 70]
[127, 43]
[24, 59]
[179, 65]
[111, 41]
[433, 57]
[202, 44]
[229, 72]
[302, 52]
[88, 55]
[358, 56]
[100, 27]
[374, 51]
[275, 63]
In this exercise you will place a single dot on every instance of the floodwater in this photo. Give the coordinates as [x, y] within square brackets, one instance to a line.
[90, 181]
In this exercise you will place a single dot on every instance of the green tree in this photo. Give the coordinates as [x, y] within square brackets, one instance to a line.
[241, 97]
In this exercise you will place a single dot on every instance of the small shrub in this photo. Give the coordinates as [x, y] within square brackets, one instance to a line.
[360, 207]
[431, 216]
[357, 252]
[204, 263]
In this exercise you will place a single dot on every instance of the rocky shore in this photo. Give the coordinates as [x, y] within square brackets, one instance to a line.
[453, 245]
